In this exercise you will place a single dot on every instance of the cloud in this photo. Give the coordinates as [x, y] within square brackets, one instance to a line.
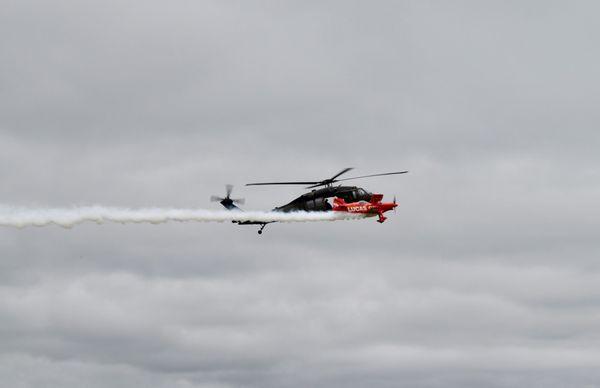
[486, 276]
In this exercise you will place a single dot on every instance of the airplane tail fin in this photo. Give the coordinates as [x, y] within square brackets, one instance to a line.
[338, 201]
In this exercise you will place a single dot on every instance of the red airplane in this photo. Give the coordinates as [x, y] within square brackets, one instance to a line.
[373, 208]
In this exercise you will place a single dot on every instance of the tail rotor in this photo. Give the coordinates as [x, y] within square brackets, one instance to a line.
[227, 201]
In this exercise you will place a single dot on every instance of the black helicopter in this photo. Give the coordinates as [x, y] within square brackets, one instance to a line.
[314, 200]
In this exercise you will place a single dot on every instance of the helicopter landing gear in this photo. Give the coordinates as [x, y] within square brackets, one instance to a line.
[261, 228]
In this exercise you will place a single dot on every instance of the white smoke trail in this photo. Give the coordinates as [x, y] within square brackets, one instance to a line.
[22, 217]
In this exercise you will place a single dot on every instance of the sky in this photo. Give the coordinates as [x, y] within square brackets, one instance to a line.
[488, 274]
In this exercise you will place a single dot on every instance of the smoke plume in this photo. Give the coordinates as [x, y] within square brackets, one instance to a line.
[69, 217]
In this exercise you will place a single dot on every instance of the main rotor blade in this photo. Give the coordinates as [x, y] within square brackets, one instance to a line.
[214, 198]
[280, 183]
[341, 172]
[229, 188]
[330, 180]
[241, 201]
[367, 176]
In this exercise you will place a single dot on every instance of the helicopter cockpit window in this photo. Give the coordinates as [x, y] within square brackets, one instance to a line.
[362, 193]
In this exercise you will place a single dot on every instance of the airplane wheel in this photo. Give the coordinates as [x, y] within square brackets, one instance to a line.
[260, 232]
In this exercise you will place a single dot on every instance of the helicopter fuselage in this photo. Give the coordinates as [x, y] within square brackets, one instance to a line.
[316, 200]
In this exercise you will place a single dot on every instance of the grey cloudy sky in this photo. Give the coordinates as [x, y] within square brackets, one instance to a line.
[488, 275]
